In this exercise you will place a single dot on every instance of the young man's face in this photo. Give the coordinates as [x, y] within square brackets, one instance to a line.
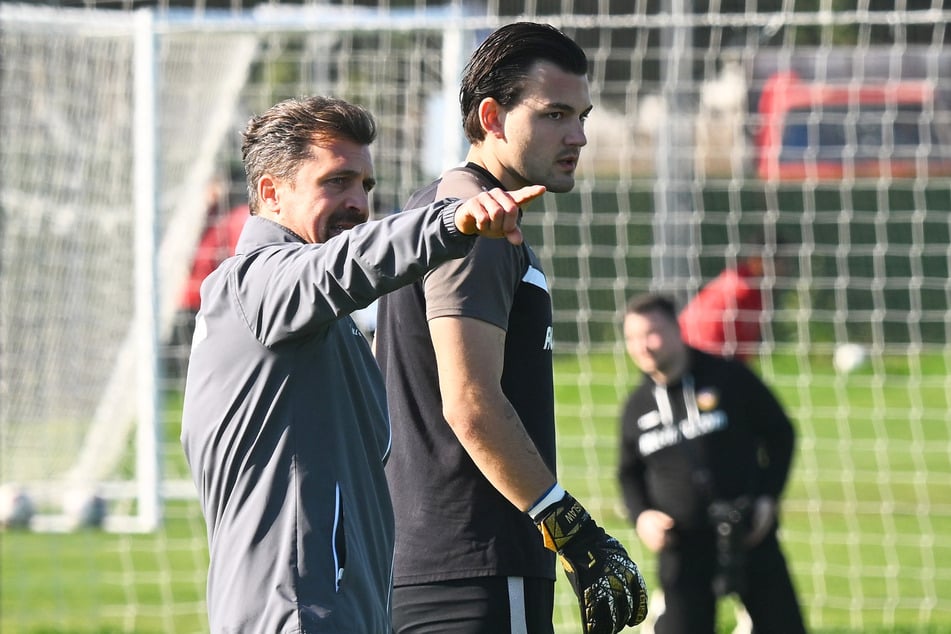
[544, 132]
[330, 194]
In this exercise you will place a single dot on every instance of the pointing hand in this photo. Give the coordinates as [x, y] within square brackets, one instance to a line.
[494, 213]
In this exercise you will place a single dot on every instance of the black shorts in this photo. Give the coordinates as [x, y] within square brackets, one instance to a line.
[482, 605]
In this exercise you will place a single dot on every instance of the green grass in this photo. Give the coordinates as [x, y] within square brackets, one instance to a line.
[869, 500]
[866, 515]
[92, 582]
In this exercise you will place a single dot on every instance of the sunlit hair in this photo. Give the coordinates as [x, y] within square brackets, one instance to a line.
[280, 139]
[499, 67]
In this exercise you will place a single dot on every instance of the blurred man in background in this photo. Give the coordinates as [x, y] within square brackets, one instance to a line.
[705, 452]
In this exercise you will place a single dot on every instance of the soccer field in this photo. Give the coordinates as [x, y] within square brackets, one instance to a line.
[868, 499]
[864, 515]
[815, 133]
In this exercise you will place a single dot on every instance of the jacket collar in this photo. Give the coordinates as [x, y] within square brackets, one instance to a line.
[259, 231]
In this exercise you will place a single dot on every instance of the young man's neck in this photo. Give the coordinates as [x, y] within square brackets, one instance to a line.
[478, 156]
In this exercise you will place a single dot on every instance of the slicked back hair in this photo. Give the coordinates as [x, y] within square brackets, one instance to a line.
[279, 140]
[499, 67]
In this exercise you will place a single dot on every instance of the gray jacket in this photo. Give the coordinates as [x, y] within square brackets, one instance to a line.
[285, 426]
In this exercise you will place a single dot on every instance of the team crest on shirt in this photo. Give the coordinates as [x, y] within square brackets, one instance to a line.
[707, 399]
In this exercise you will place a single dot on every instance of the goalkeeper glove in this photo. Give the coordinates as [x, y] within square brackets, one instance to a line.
[610, 589]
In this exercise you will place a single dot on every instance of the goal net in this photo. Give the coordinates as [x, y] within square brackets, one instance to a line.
[818, 139]
[98, 111]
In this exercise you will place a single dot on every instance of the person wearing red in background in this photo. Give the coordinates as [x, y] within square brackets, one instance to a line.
[217, 244]
[725, 317]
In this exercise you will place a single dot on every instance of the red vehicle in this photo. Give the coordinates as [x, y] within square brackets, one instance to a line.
[835, 130]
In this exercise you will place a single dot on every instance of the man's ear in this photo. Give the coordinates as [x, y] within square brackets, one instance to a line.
[268, 194]
[492, 117]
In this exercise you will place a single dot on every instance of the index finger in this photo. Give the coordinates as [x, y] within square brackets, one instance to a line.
[527, 193]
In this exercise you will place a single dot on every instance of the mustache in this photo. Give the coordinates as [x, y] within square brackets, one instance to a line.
[348, 217]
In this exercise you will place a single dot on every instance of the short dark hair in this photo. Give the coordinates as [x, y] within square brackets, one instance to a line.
[278, 140]
[499, 67]
[651, 303]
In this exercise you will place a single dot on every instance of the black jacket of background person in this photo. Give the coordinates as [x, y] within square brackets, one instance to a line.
[739, 443]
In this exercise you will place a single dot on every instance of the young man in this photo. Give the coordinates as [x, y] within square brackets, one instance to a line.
[705, 453]
[467, 358]
[284, 425]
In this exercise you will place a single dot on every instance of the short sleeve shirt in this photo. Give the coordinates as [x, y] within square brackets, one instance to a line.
[451, 522]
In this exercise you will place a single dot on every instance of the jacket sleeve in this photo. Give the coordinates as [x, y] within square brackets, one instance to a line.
[774, 430]
[298, 289]
[631, 469]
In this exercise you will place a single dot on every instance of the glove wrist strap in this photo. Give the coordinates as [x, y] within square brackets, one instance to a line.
[550, 497]
[565, 521]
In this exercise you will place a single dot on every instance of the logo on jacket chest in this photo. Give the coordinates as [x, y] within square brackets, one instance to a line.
[659, 436]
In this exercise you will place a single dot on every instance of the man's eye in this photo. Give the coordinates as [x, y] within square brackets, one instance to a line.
[555, 116]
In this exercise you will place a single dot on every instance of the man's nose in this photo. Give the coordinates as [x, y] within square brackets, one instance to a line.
[577, 137]
[359, 200]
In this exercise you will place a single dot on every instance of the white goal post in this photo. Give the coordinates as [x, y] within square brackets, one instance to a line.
[134, 126]
[163, 106]
[824, 135]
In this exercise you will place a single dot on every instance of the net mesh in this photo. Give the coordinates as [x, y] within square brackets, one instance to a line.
[821, 137]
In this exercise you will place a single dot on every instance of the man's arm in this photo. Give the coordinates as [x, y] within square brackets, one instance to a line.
[631, 469]
[311, 285]
[469, 357]
[652, 526]
[774, 430]
[777, 437]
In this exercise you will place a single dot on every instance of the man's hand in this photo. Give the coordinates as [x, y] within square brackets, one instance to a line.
[494, 214]
[653, 528]
[764, 517]
[610, 589]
